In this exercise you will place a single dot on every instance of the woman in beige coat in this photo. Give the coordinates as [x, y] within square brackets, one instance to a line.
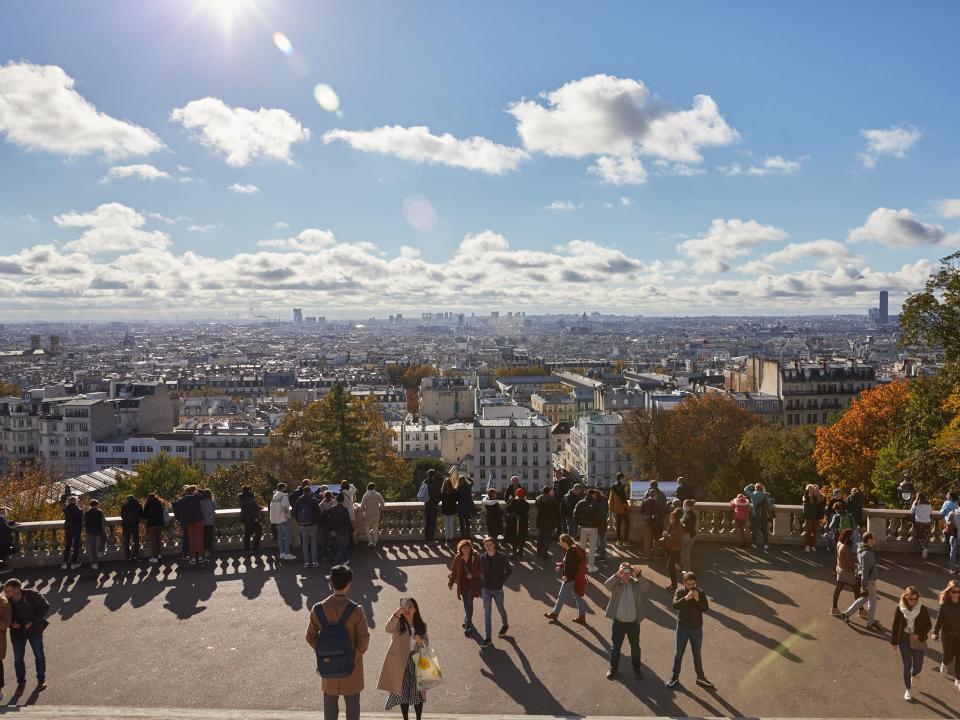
[398, 676]
[6, 617]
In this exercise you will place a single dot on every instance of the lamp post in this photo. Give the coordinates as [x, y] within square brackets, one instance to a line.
[906, 490]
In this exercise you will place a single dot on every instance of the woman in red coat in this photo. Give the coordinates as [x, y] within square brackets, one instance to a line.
[574, 579]
[465, 574]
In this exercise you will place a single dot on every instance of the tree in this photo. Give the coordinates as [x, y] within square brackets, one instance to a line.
[225, 483]
[163, 474]
[696, 439]
[931, 319]
[9, 389]
[411, 383]
[387, 469]
[846, 452]
[284, 458]
[780, 458]
[421, 467]
[29, 491]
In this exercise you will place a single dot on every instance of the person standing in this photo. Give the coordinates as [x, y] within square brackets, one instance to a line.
[208, 507]
[250, 513]
[951, 524]
[131, 512]
[626, 610]
[349, 497]
[585, 516]
[619, 505]
[688, 519]
[761, 510]
[684, 491]
[672, 545]
[279, 510]
[494, 571]
[430, 505]
[511, 492]
[493, 514]
[741, 515]
[574, 579]
[561, 486]
[650, 513]
[6, 617]
[868, 580]
[339, 518]
[814, 506]
[602, 513]
[922, 513]
[690, 602]
[332, 610]
[449, 509]
[846, 569]
[840, 520]
[28, 610]
[855, 507]
[398, 675]
[909, 629]
[465, 575]
[372, 505]
[548, 518]
[188, 512]
[307, 512]
[466, 508]
[947, 629]
[568, 506]
[518, 522]
[94, 522]
[72, 529]
[156, 520]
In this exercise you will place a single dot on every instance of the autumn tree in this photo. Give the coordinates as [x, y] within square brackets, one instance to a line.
[387, 469]
[284, 458]
[163, 474]
[29, 491]
[225, 483]
[696, 439]
[8, 389]
[781, 458]
[411, 383]
[846, 452]
[931, 319]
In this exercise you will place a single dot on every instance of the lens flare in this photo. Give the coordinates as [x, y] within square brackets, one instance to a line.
[283, 43]
[326, 97]
[419, 213]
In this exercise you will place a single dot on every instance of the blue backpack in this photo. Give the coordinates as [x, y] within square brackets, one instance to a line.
[333, 646]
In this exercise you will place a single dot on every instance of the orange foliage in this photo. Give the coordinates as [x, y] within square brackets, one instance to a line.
[28, 491]
[847, 450]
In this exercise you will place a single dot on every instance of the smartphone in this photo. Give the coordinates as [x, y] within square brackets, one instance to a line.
[405, 603]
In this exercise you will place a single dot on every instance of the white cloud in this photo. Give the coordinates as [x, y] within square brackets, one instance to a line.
[419, 145]
[626, 201]
[309, 240]
[239, 134]
[727, 239]
[281, 225]
[769, 165]
[141, 172]
[617, 121]
[893, 142]
[949, 209]
[900, 229]
[40, 110]
[563, 206]
[112, 227]
[204, 228]
[828, 254]
[243, 189]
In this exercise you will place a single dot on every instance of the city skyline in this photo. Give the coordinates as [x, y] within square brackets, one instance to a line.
[216, 158]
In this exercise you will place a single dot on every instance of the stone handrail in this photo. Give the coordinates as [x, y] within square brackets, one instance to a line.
[41, 543]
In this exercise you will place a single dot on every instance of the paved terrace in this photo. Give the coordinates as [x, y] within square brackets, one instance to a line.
[232, 636]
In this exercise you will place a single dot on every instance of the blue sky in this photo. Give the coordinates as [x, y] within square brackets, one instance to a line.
[568, 165]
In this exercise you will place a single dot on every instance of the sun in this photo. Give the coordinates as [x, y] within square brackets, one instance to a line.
[229, 15]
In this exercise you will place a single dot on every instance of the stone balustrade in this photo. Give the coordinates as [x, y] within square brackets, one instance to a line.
[41, 543]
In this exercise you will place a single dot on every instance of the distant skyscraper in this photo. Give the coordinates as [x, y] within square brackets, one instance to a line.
[884, 307]
[298, 316]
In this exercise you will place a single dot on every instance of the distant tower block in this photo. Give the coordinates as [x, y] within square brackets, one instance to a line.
[884, 307]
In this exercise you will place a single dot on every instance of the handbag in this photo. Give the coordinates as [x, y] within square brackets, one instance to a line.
[917, 644]
[428, 670]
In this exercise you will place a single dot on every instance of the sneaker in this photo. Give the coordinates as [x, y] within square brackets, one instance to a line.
[674, 682]
[487, 642]
[703, 682]
[845, 617]
[154, 560]
[957, 684]
[75, 566]
[611, 674]
[874, 626]
[638, 674]
[907, 695]
[192, 561]
[552, 617]
[64, 567]
[95, 566]
[503, 631]
[943, 669]
[306, 565]
[467, 631]
[316, 564]
[924, 554]
[766, 547]
[835, 612]
[20, 688]
[755, 547]
[580, 620]
[41, 684]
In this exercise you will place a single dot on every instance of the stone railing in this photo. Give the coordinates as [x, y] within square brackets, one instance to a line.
[41, 543]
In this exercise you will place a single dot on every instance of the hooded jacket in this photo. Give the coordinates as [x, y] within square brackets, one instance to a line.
[867, 561]
[279, 508]
[131, 512]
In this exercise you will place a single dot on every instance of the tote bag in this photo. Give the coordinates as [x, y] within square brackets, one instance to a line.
[428, 669]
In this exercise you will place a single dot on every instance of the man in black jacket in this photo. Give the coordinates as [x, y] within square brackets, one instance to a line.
[430, 505]
[548, 517]
[561, 486]
[494, 571]
[567, 505]
[28, 612]
[585, 515]
[339, 521]
[94, 522]
[72, 529]
[130, 514]
[190, 515]
[6, 541]
[690, 602]
[250, 512]
[652, 517]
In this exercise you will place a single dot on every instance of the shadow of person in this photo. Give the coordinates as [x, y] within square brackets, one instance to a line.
[750, 634]
[393, 575]
[521, 685]
[287, 580]
[188, 593]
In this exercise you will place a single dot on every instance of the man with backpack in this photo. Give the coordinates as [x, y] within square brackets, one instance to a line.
[652, 516]
[567, 505]
[585, 516]
[308, 514]
[339, 636]
[761, 508]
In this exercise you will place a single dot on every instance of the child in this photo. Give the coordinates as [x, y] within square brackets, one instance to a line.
[741, 514]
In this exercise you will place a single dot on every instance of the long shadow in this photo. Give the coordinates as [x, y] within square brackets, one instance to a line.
[750, 634]
[521, 684]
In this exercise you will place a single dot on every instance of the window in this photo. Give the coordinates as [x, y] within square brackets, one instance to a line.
[102, 449]
[482, 447]
[482, 433]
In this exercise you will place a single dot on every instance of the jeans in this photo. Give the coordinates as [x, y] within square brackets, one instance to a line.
[566, 588]
[19, 640]
[195, 536]
[429, 520]
[623, 527]
[283, 538]
[760, 529]
[465, 530]
[602, 540]
[308, 540]
[695, 637]
[810, 528]
[686, 552]
[631, 631]
[326, 541]
[95, 544]
[449, 527]
[912, 660]
[130, 537]
[71, 547]
[331, 706]
[673, 562]
[341, 542]
[468, 608]
[951, 650]
[489, 597]
[573, 530]
[209, 534]
[649, 535]
[251, 531]
[954, 551]
[869, 599]
[588, 539]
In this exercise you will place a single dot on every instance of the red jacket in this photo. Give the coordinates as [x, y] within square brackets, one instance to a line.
[458, 574]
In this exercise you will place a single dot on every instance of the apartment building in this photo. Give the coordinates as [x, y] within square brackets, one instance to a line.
[555, 407]
[447, 398]
[595, 451]
[129, 452]
[70, 428]
[19, 431]
[504, 447]
[224, 444]
[413, 440]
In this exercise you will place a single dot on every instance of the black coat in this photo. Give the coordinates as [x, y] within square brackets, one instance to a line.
[465, 498]
[6, 537]
[518, 519]
[32, 607]
[813, 509]
[250, 510]
[153, 512]
[494, 518]
[690, 613]
[72, 519]
[684, 492]
[130, 513]
[585, 513]
[449, 503]
[569, 503]
[921, 626]
[548, 513]
[93, 521]
[187, 509]
[948, 619]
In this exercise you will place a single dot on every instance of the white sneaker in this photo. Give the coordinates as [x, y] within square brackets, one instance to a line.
[924, 554]
[64, 567]
[95, 566]
[306, 565]
[957, 684]
[154, 560]
[907, 695]
[75, 566]
[766, 547]
[943, 669]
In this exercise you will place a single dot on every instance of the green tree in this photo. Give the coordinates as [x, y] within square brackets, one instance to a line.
[931, 319]
[284, 458]
[419, 469]
[163, 474]
[225, 483]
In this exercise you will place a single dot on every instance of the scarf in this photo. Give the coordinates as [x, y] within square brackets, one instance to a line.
[910, 615]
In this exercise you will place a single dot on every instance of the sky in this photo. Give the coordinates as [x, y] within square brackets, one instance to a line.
[219, 158]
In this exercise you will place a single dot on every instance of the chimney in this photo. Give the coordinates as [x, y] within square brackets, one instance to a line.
[34, 342]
